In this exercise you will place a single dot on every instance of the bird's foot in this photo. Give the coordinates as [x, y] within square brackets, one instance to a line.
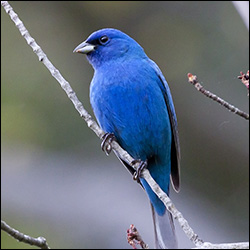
[106, 143]
[137, 173]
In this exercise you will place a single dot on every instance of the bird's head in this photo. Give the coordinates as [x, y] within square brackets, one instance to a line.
[106, 46]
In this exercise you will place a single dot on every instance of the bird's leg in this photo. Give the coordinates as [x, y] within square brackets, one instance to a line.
[106, 143]
[137, 173]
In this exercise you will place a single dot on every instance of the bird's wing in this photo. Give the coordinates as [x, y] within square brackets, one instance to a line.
[175, 150]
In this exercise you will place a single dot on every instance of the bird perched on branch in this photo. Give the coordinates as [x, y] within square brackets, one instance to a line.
[132, 102]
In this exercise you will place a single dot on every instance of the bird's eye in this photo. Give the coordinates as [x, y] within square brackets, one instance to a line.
[103, 39]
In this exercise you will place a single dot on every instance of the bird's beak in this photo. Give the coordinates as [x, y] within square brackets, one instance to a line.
[84, 48]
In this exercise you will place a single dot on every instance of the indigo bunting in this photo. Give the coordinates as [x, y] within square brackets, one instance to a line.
[131, 100]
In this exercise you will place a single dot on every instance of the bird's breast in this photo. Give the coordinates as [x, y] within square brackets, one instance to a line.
[130, 104]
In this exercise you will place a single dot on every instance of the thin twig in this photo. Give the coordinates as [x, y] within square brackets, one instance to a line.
[239, 245]
[172, 209]
[134, 238]
[245, 79]
[39, 242]
[193, 80]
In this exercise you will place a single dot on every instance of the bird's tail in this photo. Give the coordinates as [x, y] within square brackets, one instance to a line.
[164, 230]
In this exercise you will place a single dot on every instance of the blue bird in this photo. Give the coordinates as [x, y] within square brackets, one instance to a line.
[131, 100]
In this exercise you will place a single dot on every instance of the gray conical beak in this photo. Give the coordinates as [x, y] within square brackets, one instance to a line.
[84, 48]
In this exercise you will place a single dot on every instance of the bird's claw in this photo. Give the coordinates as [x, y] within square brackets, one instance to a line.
[106, 143]
[137, 173]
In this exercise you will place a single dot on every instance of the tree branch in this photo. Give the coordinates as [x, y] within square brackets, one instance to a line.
[193, 80]
[245, 79]
[172, 209]
[135, 238]
[39, 242]
[239, 245]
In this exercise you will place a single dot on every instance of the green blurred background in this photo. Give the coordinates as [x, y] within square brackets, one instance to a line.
[55, 180]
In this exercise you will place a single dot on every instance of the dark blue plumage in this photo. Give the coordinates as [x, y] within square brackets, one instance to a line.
[131, 99]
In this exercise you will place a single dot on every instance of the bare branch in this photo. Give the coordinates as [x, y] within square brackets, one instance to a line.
[208, 245]
[172, 209]
[39, 242]
[193, 80]
[245, 79]
[135, 238]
